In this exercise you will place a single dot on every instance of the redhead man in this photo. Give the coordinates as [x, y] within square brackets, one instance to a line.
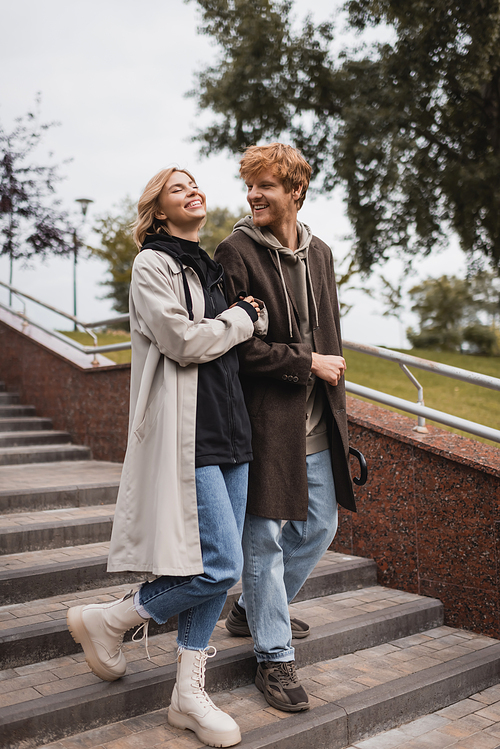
[294, 389]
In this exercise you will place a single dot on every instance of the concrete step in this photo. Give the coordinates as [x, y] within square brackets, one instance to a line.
[52, 529]
[47, 486]
[24, 423]
[343, 722]
[34, 437]
[43, 454]
[45, 703]
[32, 575]
[8, 398]
[36, 574]
[10, 410]
[36, 630]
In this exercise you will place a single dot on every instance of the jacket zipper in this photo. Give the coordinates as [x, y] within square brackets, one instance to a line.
[232, 426]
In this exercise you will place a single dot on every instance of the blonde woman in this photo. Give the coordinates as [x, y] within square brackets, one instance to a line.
[182, 497]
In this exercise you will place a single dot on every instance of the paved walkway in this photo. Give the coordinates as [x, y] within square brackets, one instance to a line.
[64, 473]
[471, 724]
[326, 682]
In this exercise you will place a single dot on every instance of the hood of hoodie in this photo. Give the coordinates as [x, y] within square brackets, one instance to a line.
[267, 239]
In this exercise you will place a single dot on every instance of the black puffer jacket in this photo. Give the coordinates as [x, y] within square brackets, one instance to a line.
[223, 432]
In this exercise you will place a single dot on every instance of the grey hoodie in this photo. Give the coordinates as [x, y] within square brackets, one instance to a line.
[302, 289]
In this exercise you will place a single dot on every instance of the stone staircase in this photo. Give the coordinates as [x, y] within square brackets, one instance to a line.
[24, 438]
[376, 658]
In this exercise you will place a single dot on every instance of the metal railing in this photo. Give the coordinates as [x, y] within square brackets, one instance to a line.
[88, 327]
[419, 409]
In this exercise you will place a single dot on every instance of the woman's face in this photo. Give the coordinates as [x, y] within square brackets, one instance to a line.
[182, 205]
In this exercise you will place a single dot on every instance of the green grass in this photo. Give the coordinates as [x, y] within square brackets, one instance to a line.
[471, 402]
[442, 393]
[103, 339]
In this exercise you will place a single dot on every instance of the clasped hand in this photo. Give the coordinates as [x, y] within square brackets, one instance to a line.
[328, 367]
[251, 301]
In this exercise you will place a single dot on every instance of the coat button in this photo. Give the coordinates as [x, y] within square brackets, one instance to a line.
[290, 378]
[284, 377]
[295, 379]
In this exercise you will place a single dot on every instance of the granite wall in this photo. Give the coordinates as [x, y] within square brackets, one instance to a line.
[91, 403]
[429, 514]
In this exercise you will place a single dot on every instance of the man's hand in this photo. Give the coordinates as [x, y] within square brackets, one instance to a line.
[251, 301]
[328, 368]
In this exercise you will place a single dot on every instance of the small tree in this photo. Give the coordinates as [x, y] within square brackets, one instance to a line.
[453, 311]
[218, 226]
[31, 223]
[118, 248]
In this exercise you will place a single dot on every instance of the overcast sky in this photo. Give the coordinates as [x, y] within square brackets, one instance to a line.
[115, 74]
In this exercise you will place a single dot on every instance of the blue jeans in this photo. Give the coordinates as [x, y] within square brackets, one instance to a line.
[279, 559]
[221, 493]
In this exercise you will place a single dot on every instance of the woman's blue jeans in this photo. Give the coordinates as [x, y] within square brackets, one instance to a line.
[198, 600]
[278, 560]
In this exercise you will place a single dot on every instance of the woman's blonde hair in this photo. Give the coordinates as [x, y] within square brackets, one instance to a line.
[146, 221]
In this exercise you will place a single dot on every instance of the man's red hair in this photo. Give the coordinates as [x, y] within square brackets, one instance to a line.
[286, 163]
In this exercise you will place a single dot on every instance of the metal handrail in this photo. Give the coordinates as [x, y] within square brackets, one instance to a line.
[475, 378]
[404, 360]
[87, 326]
[430, 413]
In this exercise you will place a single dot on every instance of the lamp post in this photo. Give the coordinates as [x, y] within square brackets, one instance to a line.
[84, 204]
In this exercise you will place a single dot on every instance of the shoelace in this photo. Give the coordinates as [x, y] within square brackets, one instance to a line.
[288, 671]
[199, 674]
[144, 628]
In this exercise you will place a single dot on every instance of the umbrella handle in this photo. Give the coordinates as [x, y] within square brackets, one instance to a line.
[362, 464]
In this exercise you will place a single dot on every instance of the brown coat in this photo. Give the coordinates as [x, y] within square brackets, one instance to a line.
[274, 372]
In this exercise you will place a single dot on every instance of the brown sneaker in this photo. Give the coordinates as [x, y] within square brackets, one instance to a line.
[277, 680]
[236, 624]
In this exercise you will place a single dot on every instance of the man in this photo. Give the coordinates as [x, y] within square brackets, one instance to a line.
[293, 386]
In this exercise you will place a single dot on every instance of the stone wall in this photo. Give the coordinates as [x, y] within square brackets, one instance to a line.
[91, 403]
[429, 514]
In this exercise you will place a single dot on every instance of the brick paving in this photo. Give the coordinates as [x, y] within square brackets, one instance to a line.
[326, 681]
[27, 559]
[473, 723]
[55, 607]
[65, 473]
[21, 519]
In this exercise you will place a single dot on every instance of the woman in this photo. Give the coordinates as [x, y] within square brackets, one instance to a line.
[182, 497]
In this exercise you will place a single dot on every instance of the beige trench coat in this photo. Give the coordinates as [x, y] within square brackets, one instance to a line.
[156, 521]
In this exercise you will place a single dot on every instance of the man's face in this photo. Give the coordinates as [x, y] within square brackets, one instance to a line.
[271, 206]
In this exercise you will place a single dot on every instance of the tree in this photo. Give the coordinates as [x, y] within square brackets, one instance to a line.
[391, 295]
[454, 311]
[410, 127]
[31, 222]
[118, 248]
[218, 226]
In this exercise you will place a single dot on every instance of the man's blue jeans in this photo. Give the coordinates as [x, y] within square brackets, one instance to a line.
[198, 600]
[278, 560]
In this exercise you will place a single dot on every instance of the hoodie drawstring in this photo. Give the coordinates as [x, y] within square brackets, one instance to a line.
[309, 280]
[285, 292]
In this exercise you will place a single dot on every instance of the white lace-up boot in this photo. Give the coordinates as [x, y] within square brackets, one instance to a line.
[99, 628]
[191, 707]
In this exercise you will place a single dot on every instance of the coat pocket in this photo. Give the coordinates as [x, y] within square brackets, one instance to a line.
[151, 415]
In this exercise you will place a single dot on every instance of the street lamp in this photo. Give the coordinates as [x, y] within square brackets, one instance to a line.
[84, 204]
